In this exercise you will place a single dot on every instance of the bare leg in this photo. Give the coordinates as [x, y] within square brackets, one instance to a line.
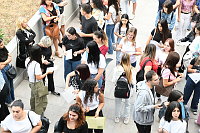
[55, 42]
[134, 8]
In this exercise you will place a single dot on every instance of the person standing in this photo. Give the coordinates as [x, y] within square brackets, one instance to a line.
[88, 23]
[144, 106]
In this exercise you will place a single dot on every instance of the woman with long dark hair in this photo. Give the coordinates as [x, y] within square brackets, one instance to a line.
[50, 13]
[98, 12]
[92, 101]
[72, 41]
[95, 60]
[113, 9]
[73, 121]
[34, 70]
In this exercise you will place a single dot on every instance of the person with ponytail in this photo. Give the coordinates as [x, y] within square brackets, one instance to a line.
[124, 67]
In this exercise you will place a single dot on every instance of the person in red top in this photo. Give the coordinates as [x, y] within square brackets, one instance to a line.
[149, 54]
[101, 39]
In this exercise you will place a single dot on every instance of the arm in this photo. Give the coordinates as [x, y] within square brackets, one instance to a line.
[100, 72]
[101, 104]
[108, 16]
[22, 37]
[177, 4]
[179, 13]
[39, 77]
[173, 21]
[138, 51]
[196, 10]
[3, 131]
[46, 18]
[68, 78]
[146, 69]
[63, 3]
[190, 70]
[3, 64]
[149, 39]
[37, 127]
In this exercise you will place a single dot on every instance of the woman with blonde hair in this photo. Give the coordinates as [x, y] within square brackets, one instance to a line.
[128, 45]
[25, 37]
[129, 71]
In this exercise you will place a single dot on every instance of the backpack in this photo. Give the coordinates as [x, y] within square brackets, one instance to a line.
[122, 87]
[140, 73]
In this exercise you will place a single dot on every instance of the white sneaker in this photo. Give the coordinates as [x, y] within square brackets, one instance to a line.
[131, 16]
[116, 119]
[126, 121]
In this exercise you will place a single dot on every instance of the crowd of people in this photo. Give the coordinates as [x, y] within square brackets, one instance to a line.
[105, 28]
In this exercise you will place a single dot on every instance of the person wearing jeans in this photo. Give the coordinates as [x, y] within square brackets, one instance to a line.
[111, 38]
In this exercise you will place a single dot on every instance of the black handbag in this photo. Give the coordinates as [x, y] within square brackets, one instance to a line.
[45, 124]
[11, 72]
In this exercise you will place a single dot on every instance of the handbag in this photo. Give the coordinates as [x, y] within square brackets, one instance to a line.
[140, 73]
[164, 91]
[11, 72]
[42, 90]
[45, 124]
[52, 30]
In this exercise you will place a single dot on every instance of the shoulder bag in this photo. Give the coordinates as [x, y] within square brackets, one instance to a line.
[11, 72]
[140, 73]
[164, 91]
[45, 124]
[42, 90]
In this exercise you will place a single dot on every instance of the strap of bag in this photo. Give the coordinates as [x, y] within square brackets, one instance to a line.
[146, 63]
[30, 120]
[154, 34]
[17, 46]
[34, 73]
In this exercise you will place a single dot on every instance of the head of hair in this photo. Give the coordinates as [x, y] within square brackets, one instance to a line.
[149, 75]
[174, 95]
[84, 71]
[19, 23]
[197, 60]
[36, 54]
[171, 61]
[43, 2]
[76, 108]
[126, 64]
[168, 114]
[18, 103]
[171, 44]
[102, 35]
[86, 8]
[94, 53]
[169, 5]
[99, 5]
[115, 3]
[150, 51]
[72, 31]
[134, 31]
[46, 41]
[165, 29]
[125, 16]
[89, 86]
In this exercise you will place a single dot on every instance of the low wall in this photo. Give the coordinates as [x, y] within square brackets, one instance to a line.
[35, 23]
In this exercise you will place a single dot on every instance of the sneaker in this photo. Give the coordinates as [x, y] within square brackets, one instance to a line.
[55, 93]
[194, 112]
[126, 121]
[116, 119]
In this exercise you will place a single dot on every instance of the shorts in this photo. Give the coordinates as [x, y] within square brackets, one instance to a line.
[134, 1]
[61, 21]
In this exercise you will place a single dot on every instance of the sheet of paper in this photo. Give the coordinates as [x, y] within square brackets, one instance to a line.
[96, 123]
[68, 54]
[68, 94]
[195, 77]
[51, 69]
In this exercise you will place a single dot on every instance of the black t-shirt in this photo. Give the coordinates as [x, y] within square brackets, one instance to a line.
[75, 45]
[47, 52]
[88, 26]
[3, 54]
[157, 36]
[62, 127]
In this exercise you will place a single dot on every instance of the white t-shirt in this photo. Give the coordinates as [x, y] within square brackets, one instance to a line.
[161, 57]
[113, 16]
[92, 105]
[128, 48]
[92, 66]
[30, 70]
[173, 126]
[23, 126]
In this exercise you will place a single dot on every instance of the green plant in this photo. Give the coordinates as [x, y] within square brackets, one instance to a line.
[1, 34]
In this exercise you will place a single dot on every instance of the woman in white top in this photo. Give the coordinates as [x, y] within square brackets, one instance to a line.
[92, 100]
[128, 45]
[130, 72]
[113, 8]
[18, 121]
[95, 61]
[34, 70]
[98, 11]
[172, 121]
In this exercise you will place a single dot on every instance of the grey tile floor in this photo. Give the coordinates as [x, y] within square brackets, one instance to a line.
[144, 22]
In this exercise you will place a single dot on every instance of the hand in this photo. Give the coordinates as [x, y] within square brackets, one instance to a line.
[96, 114]
[87, 109]
[178, 79]
[75, 53]
[76, 91]
[158, 106]
[49, 72]
[56, 19]
[178, 20]
[45, 62]
[9, 59]
[181, 75]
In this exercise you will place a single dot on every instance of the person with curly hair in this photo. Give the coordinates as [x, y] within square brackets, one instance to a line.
[92, 101]
[73, 121]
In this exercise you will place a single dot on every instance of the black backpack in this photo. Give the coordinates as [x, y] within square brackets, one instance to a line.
[122, 87]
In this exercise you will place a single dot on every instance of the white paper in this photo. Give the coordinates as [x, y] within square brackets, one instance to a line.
[68, 94]
[51, 69]
[195, 77]
[68, 54]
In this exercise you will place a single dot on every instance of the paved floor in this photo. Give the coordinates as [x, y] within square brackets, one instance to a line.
[144, 22]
